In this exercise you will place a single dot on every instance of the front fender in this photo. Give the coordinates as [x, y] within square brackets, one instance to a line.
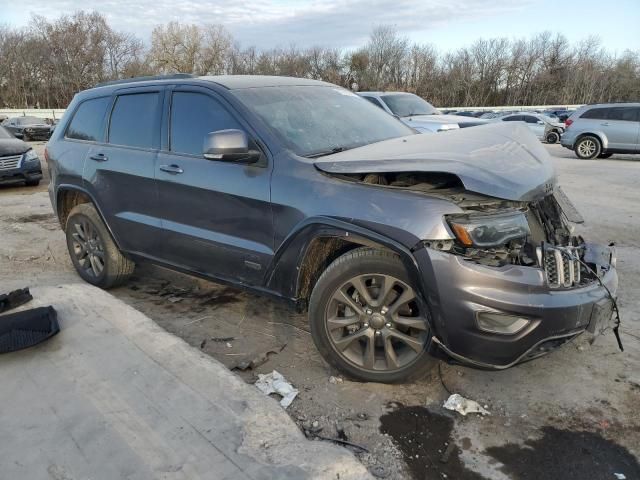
[284, 274]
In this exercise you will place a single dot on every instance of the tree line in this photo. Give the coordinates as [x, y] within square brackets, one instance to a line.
[45, 63]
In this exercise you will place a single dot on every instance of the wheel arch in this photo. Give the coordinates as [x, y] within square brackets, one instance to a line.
[602, 138]
[317, 242]
[68, 196]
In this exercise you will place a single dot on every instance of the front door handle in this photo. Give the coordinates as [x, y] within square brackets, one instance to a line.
[99, 157]
[605, 124]
[173, 169]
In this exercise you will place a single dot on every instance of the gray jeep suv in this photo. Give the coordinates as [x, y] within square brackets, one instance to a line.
[399, 245]
[599, 131]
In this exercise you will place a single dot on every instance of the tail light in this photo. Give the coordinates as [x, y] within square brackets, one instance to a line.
[46, 154]
[568, 122]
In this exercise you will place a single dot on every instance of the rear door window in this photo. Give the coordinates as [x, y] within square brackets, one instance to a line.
[135, 120]
[627, 114]
[193, 116]
[596, 114]
[512, 118]
[87, 123]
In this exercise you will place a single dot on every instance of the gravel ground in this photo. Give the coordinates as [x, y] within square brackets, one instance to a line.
[571, 415]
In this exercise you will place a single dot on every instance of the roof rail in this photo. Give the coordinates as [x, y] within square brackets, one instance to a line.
[145, 79]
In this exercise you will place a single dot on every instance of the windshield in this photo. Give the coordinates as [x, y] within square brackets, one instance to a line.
[5, 134]
[408, 104]
[316, 120]
[29, 120]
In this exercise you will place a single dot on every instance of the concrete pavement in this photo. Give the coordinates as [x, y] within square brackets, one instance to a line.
[115, 396]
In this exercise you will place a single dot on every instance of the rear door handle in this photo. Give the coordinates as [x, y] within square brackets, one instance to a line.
[173, 169]
[99, 157]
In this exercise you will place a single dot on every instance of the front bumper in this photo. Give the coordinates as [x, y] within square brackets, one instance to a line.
[457, 289]
[28, 172]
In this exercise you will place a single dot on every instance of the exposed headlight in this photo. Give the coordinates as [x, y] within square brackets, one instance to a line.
[30, 156]
[489, 230]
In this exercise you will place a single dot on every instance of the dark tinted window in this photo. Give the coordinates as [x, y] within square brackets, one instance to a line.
[134, 121]
[596, 113]
[87, 121]
[530, 119]
[513, 118]
[629, 114]
[193, 115]
[375, 101]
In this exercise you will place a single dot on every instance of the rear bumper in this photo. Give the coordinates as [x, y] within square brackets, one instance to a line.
[458, 289]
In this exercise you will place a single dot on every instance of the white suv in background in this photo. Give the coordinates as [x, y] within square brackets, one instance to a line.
[599, 131]
[417, 112]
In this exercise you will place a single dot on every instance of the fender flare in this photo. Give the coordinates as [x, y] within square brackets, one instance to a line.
[285, 271]
[70, 186]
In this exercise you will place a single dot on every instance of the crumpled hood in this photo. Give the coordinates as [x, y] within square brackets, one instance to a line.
[12, 146]
[502, 160]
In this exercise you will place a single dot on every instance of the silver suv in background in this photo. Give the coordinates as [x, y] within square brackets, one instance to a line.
[417, 112]
[599, 131]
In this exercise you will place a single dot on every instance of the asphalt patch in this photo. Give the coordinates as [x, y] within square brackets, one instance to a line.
[424, 438]
[566, 455]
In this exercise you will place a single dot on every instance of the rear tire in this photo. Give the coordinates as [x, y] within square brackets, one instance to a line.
[93, 252]
[25, 137]
[365, 319]
[588, 147]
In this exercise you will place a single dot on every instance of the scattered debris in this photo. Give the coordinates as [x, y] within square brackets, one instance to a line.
[203, 344]
[14, 299]
[379, 472]
[333, 380]
[222, 339]
[620, 476]
[229, 345]
[344, 442]
[444, 458]
[27, 328]
[258, 360]
[274, 382]
[463, 405]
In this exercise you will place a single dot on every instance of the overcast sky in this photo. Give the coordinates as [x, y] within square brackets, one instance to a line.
[448, 24]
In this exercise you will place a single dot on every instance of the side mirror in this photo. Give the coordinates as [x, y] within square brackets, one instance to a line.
[229, 146]
[540, 122]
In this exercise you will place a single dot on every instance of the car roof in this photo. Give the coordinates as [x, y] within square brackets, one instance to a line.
[612, 104]
[384, 93]
[230, 82]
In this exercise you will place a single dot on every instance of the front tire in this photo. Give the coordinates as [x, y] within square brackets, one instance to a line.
[588, 147]
[553, 137]
[93, 252]
[366, 320]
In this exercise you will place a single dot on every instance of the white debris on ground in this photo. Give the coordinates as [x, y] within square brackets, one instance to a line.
[463, 405]
[620, 476]
[274, 382]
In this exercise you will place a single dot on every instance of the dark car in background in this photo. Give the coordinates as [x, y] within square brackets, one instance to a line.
[28, 128]
[18, 161]
[398, 245]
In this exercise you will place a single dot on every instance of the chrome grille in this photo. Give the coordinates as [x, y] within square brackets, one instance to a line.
[7, 163]
[561, 266]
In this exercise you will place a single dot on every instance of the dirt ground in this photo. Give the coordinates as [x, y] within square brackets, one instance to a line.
[570, 415]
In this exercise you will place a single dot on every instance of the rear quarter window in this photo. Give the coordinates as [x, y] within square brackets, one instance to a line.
[596, 114]
[88, 121]
[626, 114]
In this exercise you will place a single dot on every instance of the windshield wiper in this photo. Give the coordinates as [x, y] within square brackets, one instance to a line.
[325, 153]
